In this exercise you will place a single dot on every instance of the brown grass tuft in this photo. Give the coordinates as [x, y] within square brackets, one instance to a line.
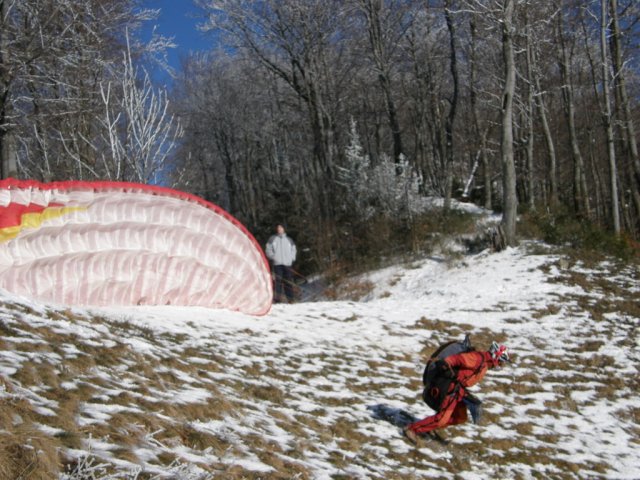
[349, 289]
[27, 454]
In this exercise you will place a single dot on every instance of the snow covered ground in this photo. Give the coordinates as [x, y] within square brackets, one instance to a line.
[195, 393]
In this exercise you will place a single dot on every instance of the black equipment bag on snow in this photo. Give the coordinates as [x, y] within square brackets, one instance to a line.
[437, 376]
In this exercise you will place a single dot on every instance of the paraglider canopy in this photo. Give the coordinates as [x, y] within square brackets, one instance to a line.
[115, 243]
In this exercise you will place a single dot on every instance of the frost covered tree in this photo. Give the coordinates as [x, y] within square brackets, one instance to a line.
[54, 57]
[141, 132]
[389, 188]
[300, 44]
[396, 187]
[354, 175]
[490, 100]
[386, 24]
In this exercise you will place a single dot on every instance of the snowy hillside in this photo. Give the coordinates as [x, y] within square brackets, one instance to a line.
[194, 393]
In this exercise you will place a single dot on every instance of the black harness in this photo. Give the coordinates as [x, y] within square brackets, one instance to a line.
[439, 379]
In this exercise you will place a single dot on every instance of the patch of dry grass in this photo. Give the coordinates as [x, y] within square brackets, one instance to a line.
[349, 289]
[547, 310]
[268, 393]
[27, 454]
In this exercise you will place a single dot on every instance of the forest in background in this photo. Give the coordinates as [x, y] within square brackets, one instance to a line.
[337, 116]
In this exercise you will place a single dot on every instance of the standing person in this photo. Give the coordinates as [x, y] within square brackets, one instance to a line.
[455, 374]
[281, 250]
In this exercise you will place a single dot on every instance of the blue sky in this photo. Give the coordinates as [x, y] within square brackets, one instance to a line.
[178, 19]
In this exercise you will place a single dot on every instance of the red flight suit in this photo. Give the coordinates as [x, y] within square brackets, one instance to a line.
[472, 367]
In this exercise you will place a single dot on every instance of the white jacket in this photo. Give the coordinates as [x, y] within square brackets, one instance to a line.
[281, 250]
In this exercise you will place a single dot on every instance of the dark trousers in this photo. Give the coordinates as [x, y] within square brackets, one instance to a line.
[284, 282]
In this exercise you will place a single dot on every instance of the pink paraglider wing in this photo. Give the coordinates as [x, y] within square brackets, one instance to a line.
[115, 243]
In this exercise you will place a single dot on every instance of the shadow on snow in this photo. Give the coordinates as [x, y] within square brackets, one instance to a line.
[395, 416]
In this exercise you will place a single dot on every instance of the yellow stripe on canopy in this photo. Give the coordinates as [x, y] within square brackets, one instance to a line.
[34, 220]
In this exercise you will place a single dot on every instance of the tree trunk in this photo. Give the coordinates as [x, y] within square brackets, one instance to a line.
[636, 196]
[323, 153]
[509, 198]
[625, 106]
[553, 163]
[607, 119]
[580, 194]
[481, 138]
[453, 66]
[530, 116]
[372, 11]
[8, 164]
[598, 207]
[486, 177]
[393, 118]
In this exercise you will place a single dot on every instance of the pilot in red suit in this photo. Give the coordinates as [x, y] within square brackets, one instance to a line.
[466, 369]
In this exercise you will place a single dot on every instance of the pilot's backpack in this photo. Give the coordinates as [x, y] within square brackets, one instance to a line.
[437, 380]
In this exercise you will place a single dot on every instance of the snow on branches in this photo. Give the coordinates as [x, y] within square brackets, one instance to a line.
[141, 132]
[388, 188]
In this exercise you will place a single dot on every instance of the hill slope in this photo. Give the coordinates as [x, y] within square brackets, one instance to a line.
[192, 393]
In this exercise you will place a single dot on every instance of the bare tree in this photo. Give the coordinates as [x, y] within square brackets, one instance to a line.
[607, 116]
[54, 56]
[296, 42]
[245, 138]
[453, 102]
[566, 50]
[481, 133]
[502, 14]
[386, 25]
[530, 108]
[551, 149]
[619, 75]
[268, 119]
[433, 90]
[509, 198]
[7, 156]
[141, 132]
